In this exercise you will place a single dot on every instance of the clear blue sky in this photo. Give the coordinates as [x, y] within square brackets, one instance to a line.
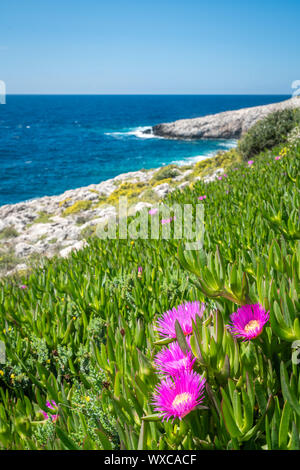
[165, 46]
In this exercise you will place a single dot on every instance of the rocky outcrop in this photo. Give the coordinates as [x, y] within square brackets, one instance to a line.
[226, 125]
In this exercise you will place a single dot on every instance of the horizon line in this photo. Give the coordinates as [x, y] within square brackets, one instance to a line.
[148, 94]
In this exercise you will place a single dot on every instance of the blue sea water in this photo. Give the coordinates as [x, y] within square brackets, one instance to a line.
[51, 143]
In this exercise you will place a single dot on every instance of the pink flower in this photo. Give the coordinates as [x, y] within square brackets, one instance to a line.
[173, 361]
[220, 177]
[178, 397]
[52, 406]
[248, 321]
[202, 197]
[184, 313]
[45, 414]
[23, 286]
[153, 211]
[278, 157]
[140, 271]
[250, 162]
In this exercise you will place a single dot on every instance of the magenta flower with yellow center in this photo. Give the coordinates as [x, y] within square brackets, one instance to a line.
[248, 321]
[184, 313]
[173, 361]
[175, 398]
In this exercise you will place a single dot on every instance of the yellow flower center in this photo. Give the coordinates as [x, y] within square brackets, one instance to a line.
[181, 398]
[252, 325]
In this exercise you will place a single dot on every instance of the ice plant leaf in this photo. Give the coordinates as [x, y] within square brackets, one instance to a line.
[248, 412]
[237, 408]
[228, 417]
[257, 426]
[219, 328]
[245, 290]
[142, 436]
[213, 397]
[181, 338]
[295, 441]
[287, 391]
[162, 342]
[284, 426]
[105, 442]
[225, 372]
[154, 417]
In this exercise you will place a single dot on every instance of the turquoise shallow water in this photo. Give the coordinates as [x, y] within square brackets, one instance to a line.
[49, 144]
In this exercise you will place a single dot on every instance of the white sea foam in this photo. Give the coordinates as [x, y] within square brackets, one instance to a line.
[228, 144]
[194, 159]
[225, 145]
[135, 132]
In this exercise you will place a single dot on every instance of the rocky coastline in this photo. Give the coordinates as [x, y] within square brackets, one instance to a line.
[226, 125]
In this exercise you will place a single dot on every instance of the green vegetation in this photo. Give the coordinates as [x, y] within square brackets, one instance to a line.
[268, 132]
[130, 190]
[223, 160]
[149, 195]
[81, 333]
[87, 232]
[43, 218]
[64, 202]
[165, 172]
[78, 206]
[8, 260]
[8, 232]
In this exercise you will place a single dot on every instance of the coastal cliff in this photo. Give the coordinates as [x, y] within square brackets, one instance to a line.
[226, 125]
